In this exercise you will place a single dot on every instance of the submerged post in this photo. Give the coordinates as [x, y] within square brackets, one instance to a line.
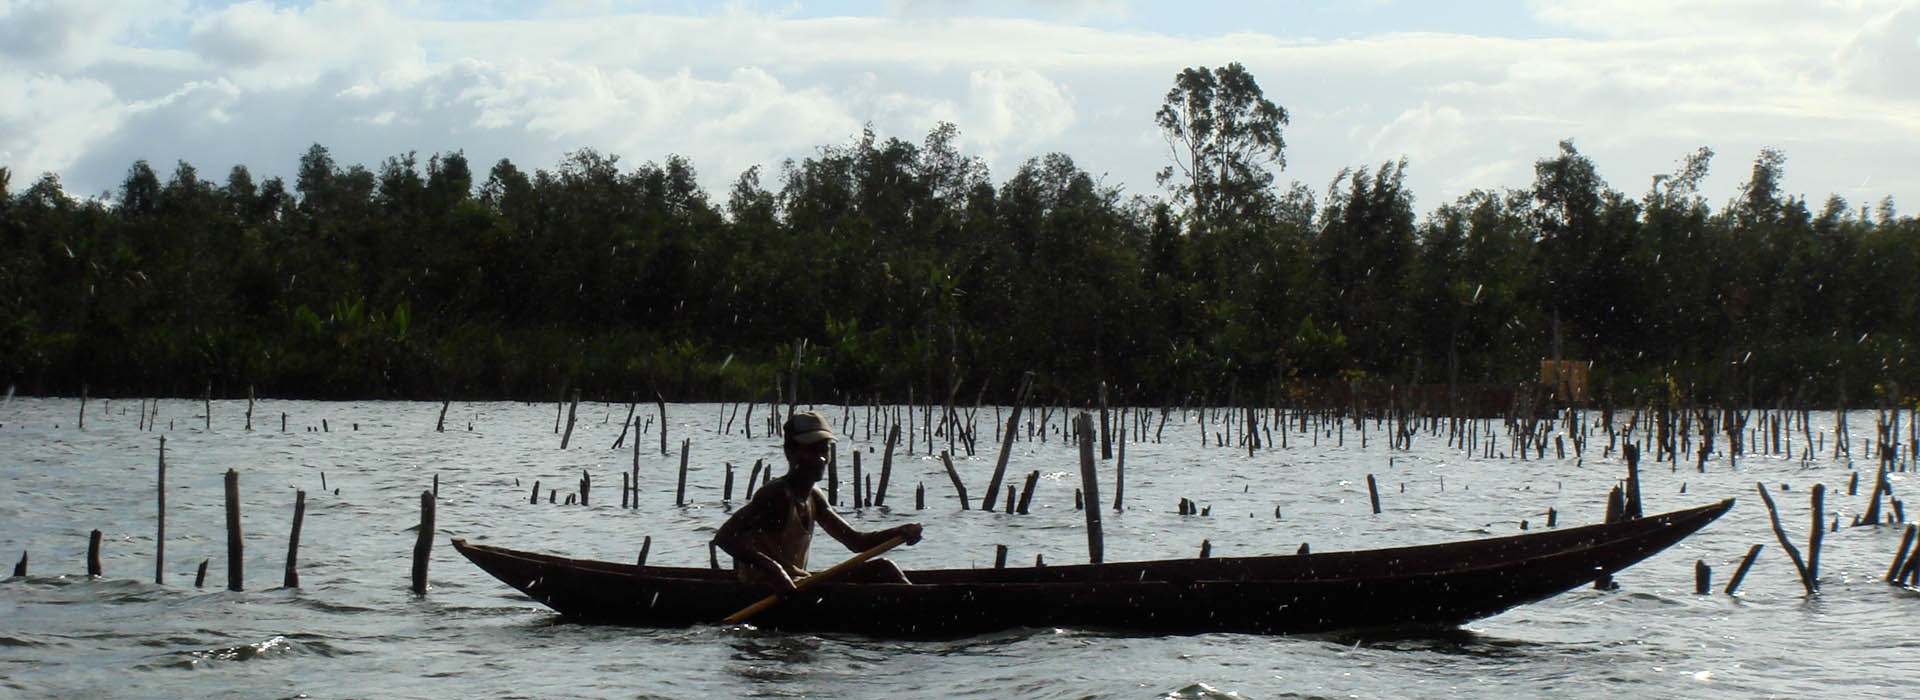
[572, 409]
[946, 460]
[886, 466]
[1733, 584]
[234, 546]
[292, 579]
[1900, 557]
[1090, 483]
[423, 546]
[680, 491]
[93, 554]
[160, 519]
[1800, 565]
[1373, 493]
[1006, 441]
[1026, 492]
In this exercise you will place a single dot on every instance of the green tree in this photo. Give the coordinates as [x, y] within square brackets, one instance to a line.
[1222, 136]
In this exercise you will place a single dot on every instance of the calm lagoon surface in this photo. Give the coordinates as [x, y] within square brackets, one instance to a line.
[354, 629]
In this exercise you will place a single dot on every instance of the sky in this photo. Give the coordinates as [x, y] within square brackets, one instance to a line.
[1471, 94]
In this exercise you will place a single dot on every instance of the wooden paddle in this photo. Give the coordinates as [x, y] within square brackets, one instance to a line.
[810, 580]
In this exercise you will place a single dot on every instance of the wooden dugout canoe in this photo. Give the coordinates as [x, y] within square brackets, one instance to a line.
[1425, 586]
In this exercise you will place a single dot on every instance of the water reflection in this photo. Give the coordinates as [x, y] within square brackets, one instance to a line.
[772, 657]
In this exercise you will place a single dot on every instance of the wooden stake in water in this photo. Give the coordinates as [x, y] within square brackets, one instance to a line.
[661, 402]
[1900, 557]
[93, 554]
[572, 410]
[423, 545]
[160, 519]
[1006, 443]
[20, 569]
[1373, 493]
[1800, 565]
[1026, 492]
[234, 546]
[1090, 483]
[680, 492]
[958, 487]
[1733, 584]
[1818, 502]
[1120, 473]
[886, 466]
[292, 579]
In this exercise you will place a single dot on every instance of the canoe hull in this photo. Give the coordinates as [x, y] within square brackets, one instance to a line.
[1439, 585]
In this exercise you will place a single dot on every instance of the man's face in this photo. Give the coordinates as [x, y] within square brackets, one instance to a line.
[810, 461]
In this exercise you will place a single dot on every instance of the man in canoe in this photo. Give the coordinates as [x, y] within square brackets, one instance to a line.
[769, 536]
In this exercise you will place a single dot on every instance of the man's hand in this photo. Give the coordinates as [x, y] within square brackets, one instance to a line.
[910, 532]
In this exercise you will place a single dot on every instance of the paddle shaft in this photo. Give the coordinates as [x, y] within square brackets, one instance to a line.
[803, 583]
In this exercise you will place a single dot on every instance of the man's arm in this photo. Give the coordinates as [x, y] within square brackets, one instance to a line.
[855, 540]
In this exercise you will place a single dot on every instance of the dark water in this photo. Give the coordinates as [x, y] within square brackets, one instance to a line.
[354, 630]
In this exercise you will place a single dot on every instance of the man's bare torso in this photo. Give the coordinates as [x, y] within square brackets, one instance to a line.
[781, 525]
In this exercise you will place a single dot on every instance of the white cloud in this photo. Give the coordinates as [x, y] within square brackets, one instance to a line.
[1635, 85]
[1017, 108]
[39, 126]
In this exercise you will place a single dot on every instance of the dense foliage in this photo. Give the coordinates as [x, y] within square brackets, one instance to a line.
[883, 266]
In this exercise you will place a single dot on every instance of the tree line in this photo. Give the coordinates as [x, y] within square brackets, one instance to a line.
[884, 267]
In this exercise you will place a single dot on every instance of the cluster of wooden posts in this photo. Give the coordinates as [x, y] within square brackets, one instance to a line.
[236, 549]
[1667, 433]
